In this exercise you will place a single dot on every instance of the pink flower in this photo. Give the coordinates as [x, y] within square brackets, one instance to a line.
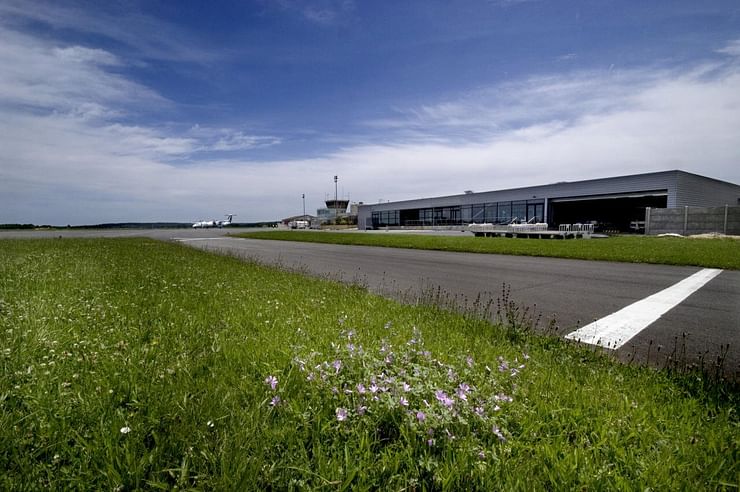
[443, 398]
[272, 381]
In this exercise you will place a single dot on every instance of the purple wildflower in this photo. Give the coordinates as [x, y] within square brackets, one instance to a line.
[420, 416]
[271, 381]
[337, 364]
[361, 410]
[443, 398]
[275, 401]
[341, 414]
[406, 387]
[498, 433]
[469, 361]
[361, 388]
[403, 402]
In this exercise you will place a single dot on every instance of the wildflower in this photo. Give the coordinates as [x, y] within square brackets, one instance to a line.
[403, 402]
[361, 388]
[498, 433]
[361, 410]
[210, 424]
[482, 454]
[406, 387]
[337, 364]
[480, 412]
[462, 391]
[271, 381]
[502, 397]
[420, 416]
[430, 442]
[275, 401]
[341, 414]
[443, 398]
[469, 361]
[125, 430]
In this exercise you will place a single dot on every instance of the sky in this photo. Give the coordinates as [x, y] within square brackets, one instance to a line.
[122, 111]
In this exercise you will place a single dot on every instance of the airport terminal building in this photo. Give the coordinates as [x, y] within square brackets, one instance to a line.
[614, 203]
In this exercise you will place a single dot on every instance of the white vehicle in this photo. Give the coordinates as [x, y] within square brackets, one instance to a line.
[205, 224]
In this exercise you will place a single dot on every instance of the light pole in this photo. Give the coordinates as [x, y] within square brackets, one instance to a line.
[303, 195]
[336, 205]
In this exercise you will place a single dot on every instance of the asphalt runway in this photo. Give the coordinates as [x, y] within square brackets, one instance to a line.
[567, 294]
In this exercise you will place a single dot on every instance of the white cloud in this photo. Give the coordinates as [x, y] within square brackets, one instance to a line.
[732, 48]
[64, 78]
[151, 38]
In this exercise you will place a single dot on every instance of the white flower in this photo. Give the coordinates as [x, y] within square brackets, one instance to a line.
[125, 430]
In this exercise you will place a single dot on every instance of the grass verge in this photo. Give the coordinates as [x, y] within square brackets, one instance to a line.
[131, 363]
[712, 253]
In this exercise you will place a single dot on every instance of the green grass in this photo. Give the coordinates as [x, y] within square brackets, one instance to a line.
[713, 253]
[131, 363]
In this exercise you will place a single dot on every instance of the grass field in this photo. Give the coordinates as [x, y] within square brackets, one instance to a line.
[131, 363]
[712, 253]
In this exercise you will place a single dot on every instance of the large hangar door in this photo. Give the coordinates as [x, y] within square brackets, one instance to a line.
[612, 212]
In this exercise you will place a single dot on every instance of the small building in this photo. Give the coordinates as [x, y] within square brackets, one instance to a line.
[300, 222]
[614, 204]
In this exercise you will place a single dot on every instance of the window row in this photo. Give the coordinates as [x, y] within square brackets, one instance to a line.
[493, 213]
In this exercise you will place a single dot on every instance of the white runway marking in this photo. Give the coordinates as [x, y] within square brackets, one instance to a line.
[618, 328]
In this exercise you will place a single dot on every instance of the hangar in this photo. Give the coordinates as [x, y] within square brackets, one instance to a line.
[614, 203]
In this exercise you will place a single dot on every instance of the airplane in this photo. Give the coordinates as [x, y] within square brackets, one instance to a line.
[204, 224]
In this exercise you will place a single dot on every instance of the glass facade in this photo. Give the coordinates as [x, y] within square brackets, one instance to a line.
[492, 213]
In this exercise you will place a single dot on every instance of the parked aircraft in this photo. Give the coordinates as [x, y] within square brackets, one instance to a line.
[204, 224]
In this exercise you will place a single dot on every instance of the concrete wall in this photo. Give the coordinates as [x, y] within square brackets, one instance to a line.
[693, 220]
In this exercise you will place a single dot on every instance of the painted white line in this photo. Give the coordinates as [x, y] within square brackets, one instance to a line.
[618, 328]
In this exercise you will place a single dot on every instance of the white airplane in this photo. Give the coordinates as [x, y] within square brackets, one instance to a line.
[204, 224]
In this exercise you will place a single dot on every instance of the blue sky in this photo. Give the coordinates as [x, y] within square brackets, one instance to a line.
[144, 111]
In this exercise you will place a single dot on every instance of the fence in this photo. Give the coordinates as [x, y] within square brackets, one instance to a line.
[693, 220]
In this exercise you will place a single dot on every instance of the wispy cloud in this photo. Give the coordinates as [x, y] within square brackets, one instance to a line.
[65, 78]
[150, 38]
[321, 12]
[732, 48]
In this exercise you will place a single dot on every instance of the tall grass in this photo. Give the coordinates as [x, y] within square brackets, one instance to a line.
[131, 363]
[712, 253]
